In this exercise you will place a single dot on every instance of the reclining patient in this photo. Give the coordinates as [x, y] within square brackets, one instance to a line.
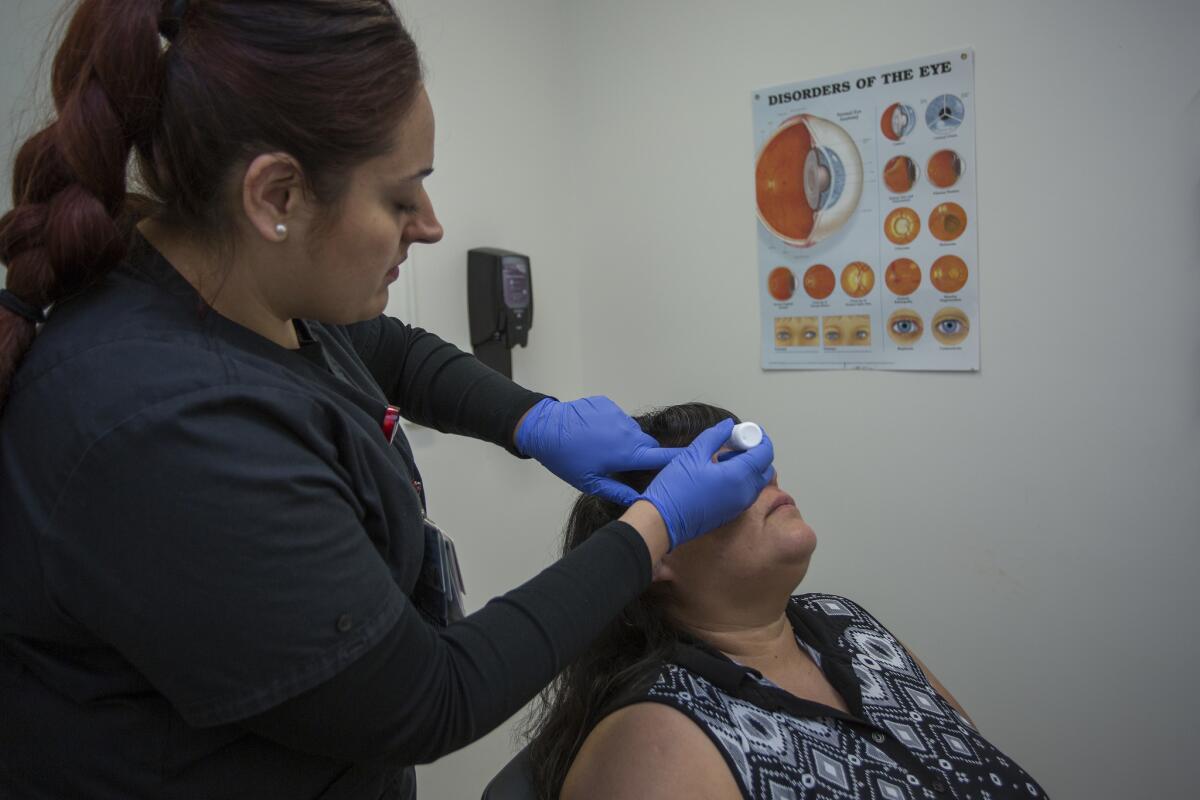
[719, 683]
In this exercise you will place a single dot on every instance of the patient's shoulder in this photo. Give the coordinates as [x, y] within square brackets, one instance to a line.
[650, 751]
[834, 607]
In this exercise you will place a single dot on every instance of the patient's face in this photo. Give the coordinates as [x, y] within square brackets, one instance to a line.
[765, 549]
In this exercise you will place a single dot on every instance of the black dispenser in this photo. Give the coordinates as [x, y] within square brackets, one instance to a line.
[499, 305]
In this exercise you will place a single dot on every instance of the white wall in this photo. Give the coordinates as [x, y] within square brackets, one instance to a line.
[1030, 530]
[24, 26]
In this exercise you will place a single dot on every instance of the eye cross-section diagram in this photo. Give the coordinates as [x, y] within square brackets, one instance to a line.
[808, 180]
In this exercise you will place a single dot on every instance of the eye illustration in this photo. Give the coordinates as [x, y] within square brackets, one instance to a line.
[900, 174]
[858, 279]
[781, 283]
[947, 221]
[819, 282]
[902, 276]
[944, 169]
[902, 225]
[945, 114]
[847, 331]
[905, 327]
[948, 274]
[796, 332]
[897, 121]
[808, 180]
[951, 326]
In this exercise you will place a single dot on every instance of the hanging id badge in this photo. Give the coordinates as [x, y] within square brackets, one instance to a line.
[439, 590]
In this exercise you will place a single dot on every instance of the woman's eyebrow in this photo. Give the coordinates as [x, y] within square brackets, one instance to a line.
[424, 173]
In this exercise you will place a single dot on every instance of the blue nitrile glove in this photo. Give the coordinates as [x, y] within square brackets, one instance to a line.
[694, 494]
[584, 441]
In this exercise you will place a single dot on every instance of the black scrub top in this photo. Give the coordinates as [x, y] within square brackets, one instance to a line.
[208, 546]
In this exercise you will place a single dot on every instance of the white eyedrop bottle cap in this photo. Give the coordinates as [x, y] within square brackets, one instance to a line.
[745, 435]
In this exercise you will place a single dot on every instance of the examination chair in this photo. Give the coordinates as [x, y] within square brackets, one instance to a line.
[514, 782]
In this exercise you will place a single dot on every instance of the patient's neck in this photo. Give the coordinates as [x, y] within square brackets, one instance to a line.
[753, 633]
[759, 636]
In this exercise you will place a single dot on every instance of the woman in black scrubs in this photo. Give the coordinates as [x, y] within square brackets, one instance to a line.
[216, 575]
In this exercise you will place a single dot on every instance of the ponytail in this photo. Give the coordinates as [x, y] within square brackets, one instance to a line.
[326, 81]
[68, 224]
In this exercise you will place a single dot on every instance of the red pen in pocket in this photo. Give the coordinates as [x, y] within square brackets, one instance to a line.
[391, 423]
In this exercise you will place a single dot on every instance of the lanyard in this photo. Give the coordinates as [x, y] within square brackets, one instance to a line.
[439, 589]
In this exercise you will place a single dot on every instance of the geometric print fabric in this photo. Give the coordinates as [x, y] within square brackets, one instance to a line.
[903, 741]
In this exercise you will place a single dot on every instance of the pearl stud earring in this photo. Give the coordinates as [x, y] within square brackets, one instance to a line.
[281, 231]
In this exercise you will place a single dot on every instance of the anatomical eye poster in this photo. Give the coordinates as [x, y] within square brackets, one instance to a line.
[868, 254]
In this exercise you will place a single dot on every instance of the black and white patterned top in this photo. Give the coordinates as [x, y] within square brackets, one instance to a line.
[901, 741]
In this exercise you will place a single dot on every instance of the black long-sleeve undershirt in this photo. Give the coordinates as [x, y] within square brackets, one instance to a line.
[423, 692]
[435, 384]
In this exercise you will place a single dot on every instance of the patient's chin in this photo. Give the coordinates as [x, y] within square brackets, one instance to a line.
[795, 538]
[798, 549]
[787, 566]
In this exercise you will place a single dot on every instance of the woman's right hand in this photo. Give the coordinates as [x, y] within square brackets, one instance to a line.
[694, 493]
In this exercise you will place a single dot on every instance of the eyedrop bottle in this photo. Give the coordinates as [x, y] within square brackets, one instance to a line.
[745, 435]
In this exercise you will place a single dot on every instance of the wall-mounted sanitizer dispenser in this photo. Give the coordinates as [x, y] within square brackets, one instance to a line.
[499, 305]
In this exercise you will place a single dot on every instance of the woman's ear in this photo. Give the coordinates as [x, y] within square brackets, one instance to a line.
[272, 193]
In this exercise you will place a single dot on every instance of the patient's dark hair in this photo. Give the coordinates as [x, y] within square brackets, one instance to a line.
[626, 657]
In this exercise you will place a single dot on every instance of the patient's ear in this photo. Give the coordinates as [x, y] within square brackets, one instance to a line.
[662, 572]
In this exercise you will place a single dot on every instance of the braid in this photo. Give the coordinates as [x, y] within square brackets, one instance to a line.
[323, 80]
[67, 228]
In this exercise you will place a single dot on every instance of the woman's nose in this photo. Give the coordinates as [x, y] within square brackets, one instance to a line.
[425, 228]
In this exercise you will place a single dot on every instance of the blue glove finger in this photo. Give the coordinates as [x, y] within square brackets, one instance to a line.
[613, 491]
[693, 494]
[758, 458]
[728, 454]
[584, 440]
[654, 457]
[711, 440]
[746, 464]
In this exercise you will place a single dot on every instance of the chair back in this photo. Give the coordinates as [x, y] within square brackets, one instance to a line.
[514, 782]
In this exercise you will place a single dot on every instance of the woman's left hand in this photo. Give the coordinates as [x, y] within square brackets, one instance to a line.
[585, 441]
